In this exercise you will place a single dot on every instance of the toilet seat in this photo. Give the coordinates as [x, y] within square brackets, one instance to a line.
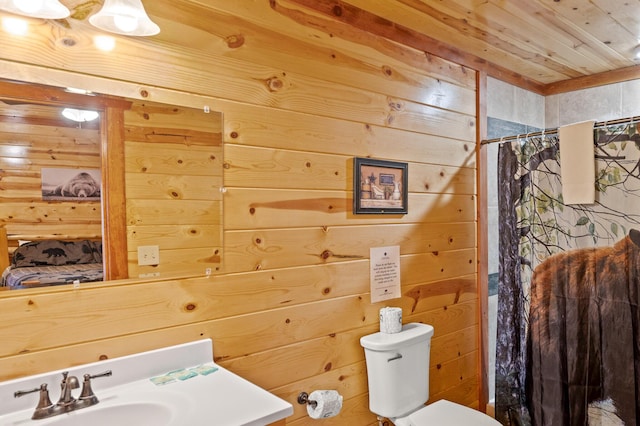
[447, 413]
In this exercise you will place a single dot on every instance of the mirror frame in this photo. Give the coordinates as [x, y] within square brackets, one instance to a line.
[112, 135]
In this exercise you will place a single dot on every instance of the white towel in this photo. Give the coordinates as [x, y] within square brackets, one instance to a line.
[577, 163]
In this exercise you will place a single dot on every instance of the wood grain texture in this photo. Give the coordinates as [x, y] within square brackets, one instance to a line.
[4, 245]
[298, 102]
[35, 137]
[300, 132]
[114, 206]
[528, 44]
[275, 248]
[280, 168]
[173, 180]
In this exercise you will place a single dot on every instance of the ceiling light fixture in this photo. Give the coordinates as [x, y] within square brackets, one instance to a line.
[80, 115]
[126, 17]
[45, 9]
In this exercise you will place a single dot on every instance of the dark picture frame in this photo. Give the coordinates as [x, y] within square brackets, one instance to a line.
[380, 186]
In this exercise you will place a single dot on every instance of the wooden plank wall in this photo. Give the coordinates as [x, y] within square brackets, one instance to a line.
[301, 96]
[34, 137]
[173, 175]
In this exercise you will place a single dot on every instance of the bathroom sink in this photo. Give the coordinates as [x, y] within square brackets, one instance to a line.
[133, 395]
[137, 403]
[141, 413]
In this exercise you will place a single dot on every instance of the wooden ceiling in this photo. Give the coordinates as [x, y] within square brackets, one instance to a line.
[546, 46]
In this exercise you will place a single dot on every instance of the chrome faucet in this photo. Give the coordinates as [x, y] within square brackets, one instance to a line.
[67, 402]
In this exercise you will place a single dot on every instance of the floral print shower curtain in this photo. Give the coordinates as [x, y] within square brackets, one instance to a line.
[568, 325]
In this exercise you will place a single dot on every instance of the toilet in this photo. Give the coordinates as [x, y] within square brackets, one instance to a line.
[398, 373]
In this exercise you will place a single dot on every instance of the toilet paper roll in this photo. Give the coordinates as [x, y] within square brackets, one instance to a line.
[391, 320]
[328, 403]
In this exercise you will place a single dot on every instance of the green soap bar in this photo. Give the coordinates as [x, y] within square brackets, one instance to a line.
[204, 370]
[183, 374]
[162, 380]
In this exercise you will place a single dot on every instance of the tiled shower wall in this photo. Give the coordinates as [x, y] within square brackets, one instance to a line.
[610, 102]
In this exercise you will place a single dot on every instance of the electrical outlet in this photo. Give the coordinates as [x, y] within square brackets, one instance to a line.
[148, 255]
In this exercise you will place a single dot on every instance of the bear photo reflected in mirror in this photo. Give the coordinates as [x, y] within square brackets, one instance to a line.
[62, 184]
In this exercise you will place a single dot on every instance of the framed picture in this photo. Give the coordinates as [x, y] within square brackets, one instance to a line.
[379, 186]
[59, 184]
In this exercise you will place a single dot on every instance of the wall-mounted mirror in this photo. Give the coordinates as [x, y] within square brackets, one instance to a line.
[135, 190]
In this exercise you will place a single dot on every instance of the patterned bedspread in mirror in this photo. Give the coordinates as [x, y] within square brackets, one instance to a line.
[54, 262]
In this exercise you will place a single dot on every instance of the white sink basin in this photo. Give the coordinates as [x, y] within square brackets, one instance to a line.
[129, 397]
[135, 414]
[129, 405]
[136, 403]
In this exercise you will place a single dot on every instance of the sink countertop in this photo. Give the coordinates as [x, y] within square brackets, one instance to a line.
[221, 398]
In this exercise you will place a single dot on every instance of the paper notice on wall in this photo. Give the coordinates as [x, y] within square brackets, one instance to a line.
[385, 273]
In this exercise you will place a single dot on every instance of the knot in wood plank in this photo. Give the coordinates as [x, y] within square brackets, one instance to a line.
[68, 42]
[274, 84]
[234, 41]
[395, 105]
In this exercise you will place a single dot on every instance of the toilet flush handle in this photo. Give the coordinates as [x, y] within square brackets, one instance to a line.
[398, 356]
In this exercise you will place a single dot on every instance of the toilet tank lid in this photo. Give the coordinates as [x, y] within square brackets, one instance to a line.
[411, 333]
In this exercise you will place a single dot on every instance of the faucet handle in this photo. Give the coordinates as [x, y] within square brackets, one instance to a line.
[18, 394]
[87, 393]
[105, 374]
[44, 403]
[44, 395]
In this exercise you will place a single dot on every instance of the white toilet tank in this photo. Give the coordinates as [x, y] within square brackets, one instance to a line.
[398, 369]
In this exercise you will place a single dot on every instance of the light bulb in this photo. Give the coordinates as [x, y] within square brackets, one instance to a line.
[125, 23]
[80, 115]
[29, 6]
[104, 43]
[126, 17]
[15, 26]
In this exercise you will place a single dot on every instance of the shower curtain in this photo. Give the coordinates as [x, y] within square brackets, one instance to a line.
[568, 325]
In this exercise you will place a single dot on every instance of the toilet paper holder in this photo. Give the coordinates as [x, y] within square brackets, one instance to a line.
[303, 399]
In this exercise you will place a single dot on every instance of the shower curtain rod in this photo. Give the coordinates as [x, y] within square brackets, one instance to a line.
[628, 120]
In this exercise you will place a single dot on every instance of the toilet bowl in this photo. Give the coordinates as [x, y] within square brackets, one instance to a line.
[398, 375]
[446, 413]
